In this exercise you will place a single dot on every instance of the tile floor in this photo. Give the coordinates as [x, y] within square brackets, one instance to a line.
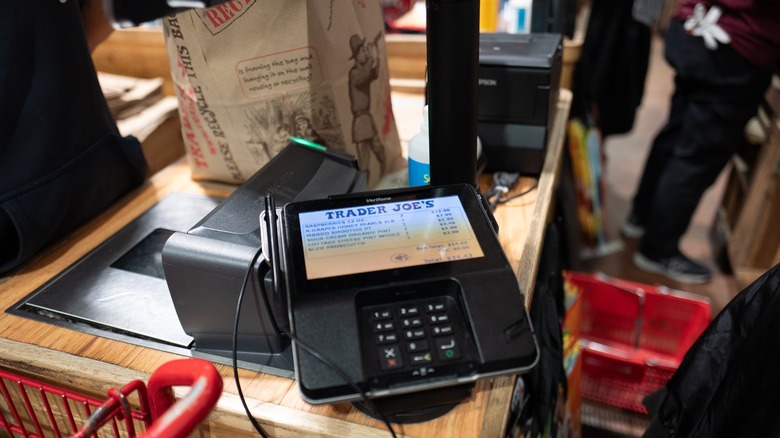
[624, 159]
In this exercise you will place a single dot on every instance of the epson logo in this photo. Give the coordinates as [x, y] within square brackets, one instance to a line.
[370, 200]
[487, 82]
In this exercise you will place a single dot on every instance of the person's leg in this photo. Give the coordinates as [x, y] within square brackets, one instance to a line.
[660, 153]
[723, 92]
[363, 151]
[702, 152]
[379, 150]
[661, 149]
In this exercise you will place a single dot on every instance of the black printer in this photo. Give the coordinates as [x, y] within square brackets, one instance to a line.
[518, 84]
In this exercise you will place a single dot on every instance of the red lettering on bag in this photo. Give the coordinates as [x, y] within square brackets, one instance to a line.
[221, 15]
[196, 155]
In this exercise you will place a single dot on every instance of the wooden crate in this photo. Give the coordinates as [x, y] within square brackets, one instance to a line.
[753, 241]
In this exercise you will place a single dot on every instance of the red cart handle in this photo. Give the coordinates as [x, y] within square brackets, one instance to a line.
[178, 419]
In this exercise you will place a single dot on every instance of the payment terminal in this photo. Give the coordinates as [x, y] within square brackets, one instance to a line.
[403, 290]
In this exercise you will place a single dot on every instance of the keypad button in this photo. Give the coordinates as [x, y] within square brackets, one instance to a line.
[439, 319]
[409, 310]
[441, 330]
[386, 338]
[435, 307]
[447, 349]
[390, 357]
[414, 334]
[378, 315]
[415, 346]
[421, 358]
[384, 326]
[412, 322]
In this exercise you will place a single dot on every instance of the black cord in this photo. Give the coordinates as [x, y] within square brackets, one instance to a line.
[502, 184]
[303, 345]
[341, 373]
[517, 195]
[275, 275]
[270, 214]
[256, 425]
[344, 376]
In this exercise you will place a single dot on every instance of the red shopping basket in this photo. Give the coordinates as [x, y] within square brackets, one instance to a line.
[34, 409]
[633, 336]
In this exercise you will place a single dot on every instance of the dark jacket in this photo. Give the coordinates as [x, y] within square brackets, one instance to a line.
[62, 160]
[728, 385]
[610, 76]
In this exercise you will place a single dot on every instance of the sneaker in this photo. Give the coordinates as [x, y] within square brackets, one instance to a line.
[677, 267]
[632, 229]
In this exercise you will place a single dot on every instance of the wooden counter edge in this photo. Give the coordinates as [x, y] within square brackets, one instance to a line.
[548, 183]
[497, 411]
[94, 378]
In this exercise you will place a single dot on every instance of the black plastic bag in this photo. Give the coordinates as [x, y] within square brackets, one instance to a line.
[728, 384]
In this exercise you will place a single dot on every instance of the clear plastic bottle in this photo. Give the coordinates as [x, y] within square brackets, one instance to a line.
[419, 161]
[420, 155]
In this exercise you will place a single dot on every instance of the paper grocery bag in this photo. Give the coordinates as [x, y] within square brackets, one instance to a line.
[249, 74]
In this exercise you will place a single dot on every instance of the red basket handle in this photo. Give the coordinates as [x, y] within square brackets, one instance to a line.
[177, 419]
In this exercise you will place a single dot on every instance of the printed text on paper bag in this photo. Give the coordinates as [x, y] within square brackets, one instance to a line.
[279, 72]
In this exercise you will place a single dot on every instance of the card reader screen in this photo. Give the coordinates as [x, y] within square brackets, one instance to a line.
[384, 236]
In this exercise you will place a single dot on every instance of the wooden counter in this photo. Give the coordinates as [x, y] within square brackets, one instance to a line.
[91, 364]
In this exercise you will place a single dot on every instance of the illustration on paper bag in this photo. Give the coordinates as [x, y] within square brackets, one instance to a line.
[364, 71]
[270, 124]
[241, 103]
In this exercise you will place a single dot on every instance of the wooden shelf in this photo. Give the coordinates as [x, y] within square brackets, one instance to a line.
[750, 208]
[141, 53]
[135, 52]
